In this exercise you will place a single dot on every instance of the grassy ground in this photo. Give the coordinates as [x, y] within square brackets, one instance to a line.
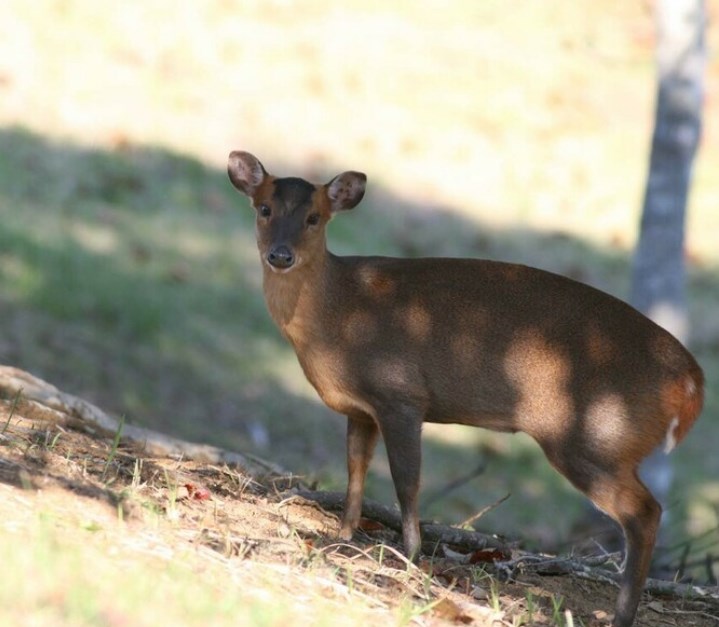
[128, 273]
[156, 554]
[98, 531]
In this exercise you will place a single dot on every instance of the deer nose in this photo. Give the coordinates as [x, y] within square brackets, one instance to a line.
[281, 257]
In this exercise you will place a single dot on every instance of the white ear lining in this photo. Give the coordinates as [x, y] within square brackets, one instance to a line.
[254, 173]
[245, 171]
[346, 190]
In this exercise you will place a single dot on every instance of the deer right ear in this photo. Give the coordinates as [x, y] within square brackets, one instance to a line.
[346, 190]
[245, 171]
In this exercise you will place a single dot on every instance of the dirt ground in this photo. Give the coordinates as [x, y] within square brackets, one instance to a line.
[48, 466]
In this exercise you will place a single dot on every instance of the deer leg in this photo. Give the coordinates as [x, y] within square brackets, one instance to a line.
[620, 494]
[402, 433]
[362, 432]
[628, 501]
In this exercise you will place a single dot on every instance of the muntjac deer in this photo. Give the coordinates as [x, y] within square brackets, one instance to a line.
[391, 343]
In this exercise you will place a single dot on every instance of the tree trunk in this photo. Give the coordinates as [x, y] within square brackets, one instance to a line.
[658, 286]
[658, 274]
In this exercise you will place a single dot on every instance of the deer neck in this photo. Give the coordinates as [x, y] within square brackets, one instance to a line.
[295, 298]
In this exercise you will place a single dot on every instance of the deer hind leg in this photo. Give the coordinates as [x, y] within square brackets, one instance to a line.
[625, 498]
[362, 433]
[619, 493]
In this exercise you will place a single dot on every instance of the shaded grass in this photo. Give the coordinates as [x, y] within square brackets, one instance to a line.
[130, 277]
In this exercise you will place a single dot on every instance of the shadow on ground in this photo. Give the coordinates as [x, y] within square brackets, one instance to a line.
[129, 276]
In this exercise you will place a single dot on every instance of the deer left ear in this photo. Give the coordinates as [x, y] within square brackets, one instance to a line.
[245, 171]
[346, 190]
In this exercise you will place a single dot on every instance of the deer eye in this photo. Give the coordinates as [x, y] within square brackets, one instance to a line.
[265, 211]
[313, 219]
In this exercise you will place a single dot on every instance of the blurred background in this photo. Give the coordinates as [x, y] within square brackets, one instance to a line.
[506, 129]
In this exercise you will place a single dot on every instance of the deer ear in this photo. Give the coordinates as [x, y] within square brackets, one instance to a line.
[346, 190]
[245, 171]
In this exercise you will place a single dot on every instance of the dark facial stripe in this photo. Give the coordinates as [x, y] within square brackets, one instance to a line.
[293, 192]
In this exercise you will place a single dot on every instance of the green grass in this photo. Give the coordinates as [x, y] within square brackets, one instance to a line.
[65, 578]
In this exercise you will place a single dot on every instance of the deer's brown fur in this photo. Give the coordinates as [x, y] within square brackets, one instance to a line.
[392, 343]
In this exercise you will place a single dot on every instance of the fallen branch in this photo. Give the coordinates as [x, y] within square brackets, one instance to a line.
[445, 490]
[591, 568]
[485, 510]
[38, 404]
[432, 533]
[684, 590]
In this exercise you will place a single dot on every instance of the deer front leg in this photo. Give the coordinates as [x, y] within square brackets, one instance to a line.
[362, 432]
[402, 433]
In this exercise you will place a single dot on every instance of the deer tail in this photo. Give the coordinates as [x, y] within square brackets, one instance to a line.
[688, 395]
